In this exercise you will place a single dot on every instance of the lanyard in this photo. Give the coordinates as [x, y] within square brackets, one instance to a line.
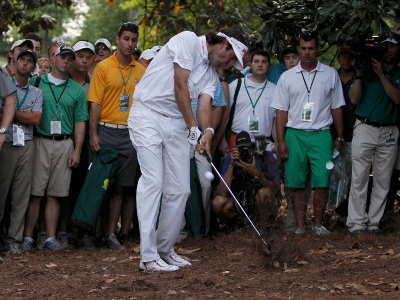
[125, 82]
[54, 96]
[259, 96]
[308, 89]
[19, 104]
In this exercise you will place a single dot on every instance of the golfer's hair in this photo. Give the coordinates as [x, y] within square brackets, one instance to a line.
[212, 38]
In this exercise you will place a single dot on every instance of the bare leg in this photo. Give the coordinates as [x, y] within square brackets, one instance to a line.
[51, 215]
[129, 203]
[115, 210]
[65, 213]
[320, 200]
[299, 203]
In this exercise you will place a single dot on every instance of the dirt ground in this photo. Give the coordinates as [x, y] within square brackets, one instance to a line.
[234, 265]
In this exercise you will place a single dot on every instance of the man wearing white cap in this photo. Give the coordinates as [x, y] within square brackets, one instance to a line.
[9, 69]
[84, 53]
[102, 51]
[162, 128]
[146, 57]
[376, 92]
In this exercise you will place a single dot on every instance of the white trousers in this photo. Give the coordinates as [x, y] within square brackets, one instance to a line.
[370, 143]
[163, 154]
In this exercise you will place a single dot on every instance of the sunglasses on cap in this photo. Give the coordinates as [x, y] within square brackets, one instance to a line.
[58, 44]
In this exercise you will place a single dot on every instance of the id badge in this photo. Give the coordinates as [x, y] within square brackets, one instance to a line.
[18, 135]
[55, 127]
[390, 141]
[308, 112]
[254, 123]
[123, 102]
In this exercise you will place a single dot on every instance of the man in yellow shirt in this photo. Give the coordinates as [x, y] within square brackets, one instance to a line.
[110, 95]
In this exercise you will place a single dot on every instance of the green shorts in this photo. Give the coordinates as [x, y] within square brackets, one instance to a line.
[307, 148]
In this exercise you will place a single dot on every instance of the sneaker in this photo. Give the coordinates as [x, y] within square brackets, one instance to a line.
[157, 265]
[357, 231]
[123, 238]
[52, 244]
[377, 231]
[300, 230]
[41, 239]
[175, 260]
[13, 249]
[27, 244]
[113, 243]
[320, 230]
[88, 242]
[62, 237]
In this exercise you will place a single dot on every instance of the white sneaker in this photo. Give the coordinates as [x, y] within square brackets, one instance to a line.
[175, 260]
[157, 265]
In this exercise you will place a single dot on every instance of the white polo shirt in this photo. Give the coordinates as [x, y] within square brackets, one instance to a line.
[244, 108]
[326, 93]
[156, 88]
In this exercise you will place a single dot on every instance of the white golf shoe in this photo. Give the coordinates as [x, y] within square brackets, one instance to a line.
[175, 260]
[157, 265]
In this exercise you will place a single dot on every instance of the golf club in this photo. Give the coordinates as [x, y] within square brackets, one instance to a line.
[208, 157]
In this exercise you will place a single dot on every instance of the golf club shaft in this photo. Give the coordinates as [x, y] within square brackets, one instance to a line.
[233, 196]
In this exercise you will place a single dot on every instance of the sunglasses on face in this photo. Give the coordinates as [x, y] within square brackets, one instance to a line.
[104, 48]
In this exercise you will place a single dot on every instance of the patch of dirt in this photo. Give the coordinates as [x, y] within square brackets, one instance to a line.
[338, 266]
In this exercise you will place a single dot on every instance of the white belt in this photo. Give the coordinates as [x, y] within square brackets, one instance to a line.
[118, 126]
[323, 128]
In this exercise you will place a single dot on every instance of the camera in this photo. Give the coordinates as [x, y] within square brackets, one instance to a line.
[243, 144]
[366, 50]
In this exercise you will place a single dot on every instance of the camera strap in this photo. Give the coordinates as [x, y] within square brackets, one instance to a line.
[232, 112]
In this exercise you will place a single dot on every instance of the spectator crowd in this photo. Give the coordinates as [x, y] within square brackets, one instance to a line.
[269, 127]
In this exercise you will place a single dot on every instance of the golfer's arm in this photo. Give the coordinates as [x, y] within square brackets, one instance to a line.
[182, 95]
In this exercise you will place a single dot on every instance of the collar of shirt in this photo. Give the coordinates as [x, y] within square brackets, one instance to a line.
[116, 63]
[300, 69]
[251, 83]
[21, 87]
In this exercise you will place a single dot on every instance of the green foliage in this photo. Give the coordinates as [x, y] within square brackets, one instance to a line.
[338, 22]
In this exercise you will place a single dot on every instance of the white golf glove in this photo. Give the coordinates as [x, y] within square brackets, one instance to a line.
[194, 135]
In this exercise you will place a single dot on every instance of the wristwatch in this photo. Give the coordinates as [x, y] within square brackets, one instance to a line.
[340, 139]
[3, 130]
[210, 129]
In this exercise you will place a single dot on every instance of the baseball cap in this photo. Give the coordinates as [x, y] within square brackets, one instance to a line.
[389, 40]
[29, 51]
[148, 54]
[346, 49]
[239, 48]
[243, 139]
[156, 48]
[104, 41]
[289, 49]
[80, 45]
[22, 42]
[64, 50]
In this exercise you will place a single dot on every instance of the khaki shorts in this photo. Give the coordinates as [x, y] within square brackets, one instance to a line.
[50, 167]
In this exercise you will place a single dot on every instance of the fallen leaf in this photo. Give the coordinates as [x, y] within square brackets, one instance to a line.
[302, 262]
[225, 272]
[321, 288]
[276, 264]
[359, 288]
[390, 252]
[111, 259]
[329, 246]
[51, 265]
[349, 254]
[339, 286]
[136, 249]
[109, 280]
[290, 270]
[171, 292]
[187, 251]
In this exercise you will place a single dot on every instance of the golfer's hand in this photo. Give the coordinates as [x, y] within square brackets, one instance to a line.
[205, 142]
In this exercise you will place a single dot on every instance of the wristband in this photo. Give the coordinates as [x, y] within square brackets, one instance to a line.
[340, 139]
[194, 135]
[209, 129]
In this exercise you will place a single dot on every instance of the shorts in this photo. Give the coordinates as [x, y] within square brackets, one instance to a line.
[307, 148]
[50, 167]
[119, 139]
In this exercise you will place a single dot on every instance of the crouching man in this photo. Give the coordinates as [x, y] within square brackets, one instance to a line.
[254, 182]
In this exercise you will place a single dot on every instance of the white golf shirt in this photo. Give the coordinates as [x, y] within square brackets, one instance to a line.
[326, 93]
[244, 107]
[189, 52]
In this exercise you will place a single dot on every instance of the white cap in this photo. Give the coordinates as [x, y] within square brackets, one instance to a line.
[156, 48]
[239, 48]
[104, 41]
[148, 54]
[80, 45]
[390, 40]
[21, 42]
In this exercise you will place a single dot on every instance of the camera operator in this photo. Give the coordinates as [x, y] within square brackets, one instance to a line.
[254, 186]
[376, 92]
